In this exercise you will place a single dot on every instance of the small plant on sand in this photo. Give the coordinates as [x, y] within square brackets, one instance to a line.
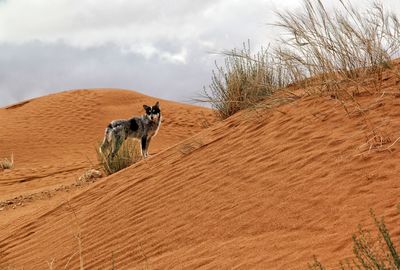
[128, 154]
[370, 252]
[6, 163]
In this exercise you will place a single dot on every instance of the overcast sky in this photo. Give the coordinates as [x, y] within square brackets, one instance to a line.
[157, 47]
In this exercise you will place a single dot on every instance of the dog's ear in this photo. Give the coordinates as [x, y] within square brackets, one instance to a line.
[145, 107]
[157, 105]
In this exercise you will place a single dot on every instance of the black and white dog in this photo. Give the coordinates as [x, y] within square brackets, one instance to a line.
[143, 128]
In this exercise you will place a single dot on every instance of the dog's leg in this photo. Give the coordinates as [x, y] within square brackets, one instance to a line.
[144, 146]
[146, 150]
[117, 146]
[117, 141]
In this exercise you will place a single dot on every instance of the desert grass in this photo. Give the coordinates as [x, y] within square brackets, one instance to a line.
[244, 80]
[128, 154]
[370, 252]
[329, 51]
[78, 237]
[7, 163]
[343, 45]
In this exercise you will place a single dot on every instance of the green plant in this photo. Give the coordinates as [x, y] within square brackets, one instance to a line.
[370, 252]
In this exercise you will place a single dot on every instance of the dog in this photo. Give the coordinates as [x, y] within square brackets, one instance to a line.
[142, 128]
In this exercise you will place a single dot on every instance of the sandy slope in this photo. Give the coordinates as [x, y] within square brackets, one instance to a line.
[261, 190]
[53, 138]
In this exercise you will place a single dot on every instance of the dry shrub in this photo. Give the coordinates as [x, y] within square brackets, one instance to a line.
[128, 154]
[338, 46]
[244, 81]
[327, 49]
[6, 163]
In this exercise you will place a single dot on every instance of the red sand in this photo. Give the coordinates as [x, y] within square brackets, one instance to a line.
[263, 189]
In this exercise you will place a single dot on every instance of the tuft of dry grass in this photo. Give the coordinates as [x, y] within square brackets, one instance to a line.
[128, 154]
[342, 45]
[329, 50]
[244, 81]
[6, 163]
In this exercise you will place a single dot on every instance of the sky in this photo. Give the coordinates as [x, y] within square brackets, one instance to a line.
[160, 48]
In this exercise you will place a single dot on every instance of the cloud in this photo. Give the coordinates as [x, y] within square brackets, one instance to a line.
[158, 47]
[57, 66]
[132, 24]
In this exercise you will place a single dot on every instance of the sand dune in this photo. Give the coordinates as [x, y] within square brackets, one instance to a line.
[53, 138]
[263, 189]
